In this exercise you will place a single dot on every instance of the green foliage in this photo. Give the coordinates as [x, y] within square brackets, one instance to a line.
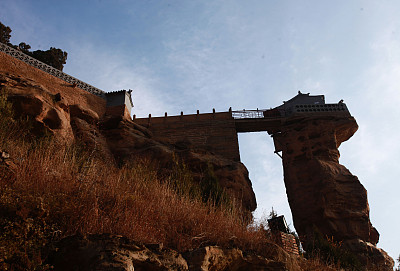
[24, 47]
[53, 57]
[331, 252]
[182, 181]
[211, 189]
[5, 34]
[208, 189]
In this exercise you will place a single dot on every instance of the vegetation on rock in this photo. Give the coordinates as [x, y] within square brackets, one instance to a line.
[53, 57]
[64, 190]
[331, 252]
[50, 191]
[5, 33]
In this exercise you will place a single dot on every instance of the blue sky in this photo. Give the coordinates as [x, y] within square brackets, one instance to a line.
[189, 55]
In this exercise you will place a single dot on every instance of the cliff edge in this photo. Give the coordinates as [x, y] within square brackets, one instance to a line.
[72, 114]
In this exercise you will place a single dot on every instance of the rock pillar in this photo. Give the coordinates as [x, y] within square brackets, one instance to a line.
[322, 193]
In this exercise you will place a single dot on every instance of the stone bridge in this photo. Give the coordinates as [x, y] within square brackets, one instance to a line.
[217, 131]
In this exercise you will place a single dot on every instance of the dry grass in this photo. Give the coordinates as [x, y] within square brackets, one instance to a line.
[85, 195]
[315, 264]
[63, 190]
[55, 191]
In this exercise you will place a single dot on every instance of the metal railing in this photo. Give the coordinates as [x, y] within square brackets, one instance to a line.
[50, 70]
[248, 114]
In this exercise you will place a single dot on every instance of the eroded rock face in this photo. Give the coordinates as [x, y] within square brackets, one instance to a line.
[112, 252]
[128, 140]
[116, 139]
[322, 193]
[216, 258]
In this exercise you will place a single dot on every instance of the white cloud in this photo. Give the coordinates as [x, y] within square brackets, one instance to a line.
[372, 154]
[111, 72]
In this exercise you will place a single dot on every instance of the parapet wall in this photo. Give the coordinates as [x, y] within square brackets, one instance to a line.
[214, 132]
[50, 70]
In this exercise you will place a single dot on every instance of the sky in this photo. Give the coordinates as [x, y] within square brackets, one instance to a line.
[198, 55]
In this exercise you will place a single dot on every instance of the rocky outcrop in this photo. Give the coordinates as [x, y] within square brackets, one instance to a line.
[111, 252]
[216, 258]
[128, 141]
[323, 194]
[70, 115]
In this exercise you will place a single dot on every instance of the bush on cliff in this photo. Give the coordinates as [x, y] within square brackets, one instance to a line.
[53, 57]
[331, 252]
[5, 33]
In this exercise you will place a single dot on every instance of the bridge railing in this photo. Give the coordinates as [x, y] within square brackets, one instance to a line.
[259, 114]
[248, 114]
[50, 70]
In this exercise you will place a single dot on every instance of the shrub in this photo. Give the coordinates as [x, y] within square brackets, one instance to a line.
[331, 252]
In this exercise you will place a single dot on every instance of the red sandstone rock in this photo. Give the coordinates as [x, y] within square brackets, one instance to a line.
[25, 76]
[128, 140]
[112, 252]
[46, 116]
[321, 192]
[118, 137]
[216, 258]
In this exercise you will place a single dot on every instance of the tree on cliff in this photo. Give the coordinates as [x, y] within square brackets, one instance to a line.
[53, 57]
[5, 34]
[24, 47]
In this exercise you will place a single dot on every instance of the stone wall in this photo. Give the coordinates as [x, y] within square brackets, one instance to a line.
[50, 70]
[214, 132]
[24, 78]
[118, 111]
[287, 242]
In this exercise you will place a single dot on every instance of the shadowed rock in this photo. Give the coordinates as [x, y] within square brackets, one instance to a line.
[323, 194]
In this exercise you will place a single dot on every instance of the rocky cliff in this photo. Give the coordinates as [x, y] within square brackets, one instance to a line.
[111, 252]
[71, 114]
[323, 195]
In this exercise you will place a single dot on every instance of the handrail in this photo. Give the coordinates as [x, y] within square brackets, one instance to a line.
[50, 70]
[258, 114]
[248, 114]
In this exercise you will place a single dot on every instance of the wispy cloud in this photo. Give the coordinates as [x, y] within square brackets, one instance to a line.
[111, 72]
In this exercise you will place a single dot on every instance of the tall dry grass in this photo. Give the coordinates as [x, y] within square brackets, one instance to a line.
[82, 194]
[56, 190]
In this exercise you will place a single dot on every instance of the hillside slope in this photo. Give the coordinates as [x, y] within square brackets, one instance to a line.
[70, 113]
